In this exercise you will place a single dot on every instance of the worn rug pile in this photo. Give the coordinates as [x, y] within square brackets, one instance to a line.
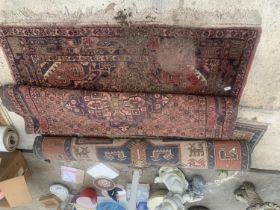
[131, 81]
[134, 152]
[90, 113]
[141, 153]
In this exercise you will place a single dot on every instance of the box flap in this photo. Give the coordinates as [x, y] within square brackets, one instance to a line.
[4, 203]
[50, 201]
[7, 157]
[13, 165]
[16, 191]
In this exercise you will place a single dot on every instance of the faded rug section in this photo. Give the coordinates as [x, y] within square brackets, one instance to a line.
[250, 131]
[230, 155]
[208, 61]
[90, 113]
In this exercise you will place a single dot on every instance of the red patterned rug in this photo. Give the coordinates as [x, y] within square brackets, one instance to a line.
[159, 59]
[89, 113]
[198, 154]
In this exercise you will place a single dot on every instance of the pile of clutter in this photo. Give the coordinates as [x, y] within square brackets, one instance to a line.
[179, 190]
[113, 196]
[107, 195]
[176, 193]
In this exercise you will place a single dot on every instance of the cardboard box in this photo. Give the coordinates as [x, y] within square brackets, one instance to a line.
[14, 173]
[50, 201]
[12, 164]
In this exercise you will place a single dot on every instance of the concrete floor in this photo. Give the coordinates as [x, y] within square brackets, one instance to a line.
[219, 194]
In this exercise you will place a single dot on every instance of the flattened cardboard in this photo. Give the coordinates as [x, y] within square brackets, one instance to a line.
[16, 192]
[14, 173]
[50, 201]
